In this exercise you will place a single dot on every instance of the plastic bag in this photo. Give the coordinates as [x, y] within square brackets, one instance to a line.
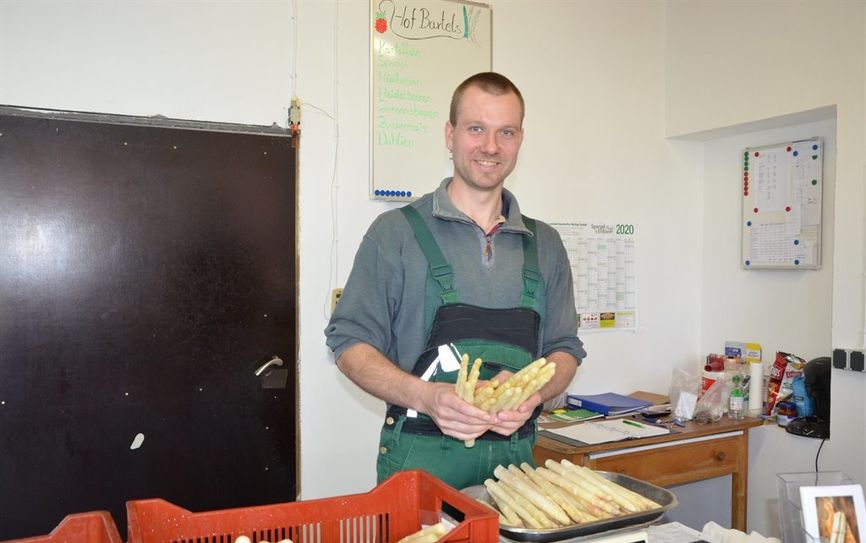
[713, 404]
[683, 392]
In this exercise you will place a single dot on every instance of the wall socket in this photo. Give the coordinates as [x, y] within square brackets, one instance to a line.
[335, 297]
[848, 359]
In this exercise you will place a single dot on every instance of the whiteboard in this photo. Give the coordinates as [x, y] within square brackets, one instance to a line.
[420, 51]
[781, 221]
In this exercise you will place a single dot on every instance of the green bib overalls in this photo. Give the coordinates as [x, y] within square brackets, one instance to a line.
[505, 339]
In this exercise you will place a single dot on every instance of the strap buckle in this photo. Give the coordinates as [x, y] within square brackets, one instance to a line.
[531, 279]
[444, 275]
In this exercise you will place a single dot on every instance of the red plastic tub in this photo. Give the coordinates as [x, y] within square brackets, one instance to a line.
[394, 509]
[93, 527]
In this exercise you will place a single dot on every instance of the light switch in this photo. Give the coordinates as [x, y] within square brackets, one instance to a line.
[840, 359]
[335, 297]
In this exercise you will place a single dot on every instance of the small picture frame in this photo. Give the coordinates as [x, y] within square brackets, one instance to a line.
[834, 514]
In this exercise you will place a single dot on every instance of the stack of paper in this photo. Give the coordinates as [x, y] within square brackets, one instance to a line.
[605, 431]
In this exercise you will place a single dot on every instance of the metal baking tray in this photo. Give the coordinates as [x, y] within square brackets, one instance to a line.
[665, 498]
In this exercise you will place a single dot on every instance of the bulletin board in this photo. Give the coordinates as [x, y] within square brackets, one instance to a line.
[781, 221]
[420, 51]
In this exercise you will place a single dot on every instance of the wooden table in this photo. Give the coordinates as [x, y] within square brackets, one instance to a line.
[694, 453]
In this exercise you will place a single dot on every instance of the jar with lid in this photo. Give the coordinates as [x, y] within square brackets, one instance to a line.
[785, 413]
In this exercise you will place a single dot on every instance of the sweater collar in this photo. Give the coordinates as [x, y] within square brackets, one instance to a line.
[444, 208]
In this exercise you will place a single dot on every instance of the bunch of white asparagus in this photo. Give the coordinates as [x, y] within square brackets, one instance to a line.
[562, 494]
[493, 396]
[246, 539]
[431, 533]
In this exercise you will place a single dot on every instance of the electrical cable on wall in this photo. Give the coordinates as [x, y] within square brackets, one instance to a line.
[334, 270]
[295, 125]
[333, 257]
[294, 48]
[816, 459]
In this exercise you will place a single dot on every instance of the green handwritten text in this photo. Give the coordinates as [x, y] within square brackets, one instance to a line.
[391, 139]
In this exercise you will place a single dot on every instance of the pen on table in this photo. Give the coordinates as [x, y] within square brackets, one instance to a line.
[632, 423]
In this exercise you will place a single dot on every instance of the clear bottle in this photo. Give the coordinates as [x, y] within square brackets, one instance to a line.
[735, 407]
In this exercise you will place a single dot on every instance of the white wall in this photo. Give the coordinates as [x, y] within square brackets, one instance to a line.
[782, 310]
[594, 149]
[605, 83]
[216, 61]
[788, 63]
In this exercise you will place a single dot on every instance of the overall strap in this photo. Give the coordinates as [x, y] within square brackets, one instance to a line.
[531, 275]
[440, 269]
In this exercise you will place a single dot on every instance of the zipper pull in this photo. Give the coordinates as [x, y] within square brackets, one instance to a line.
[487, 248]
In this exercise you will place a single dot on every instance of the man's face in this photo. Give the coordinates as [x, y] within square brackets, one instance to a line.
[486, 139]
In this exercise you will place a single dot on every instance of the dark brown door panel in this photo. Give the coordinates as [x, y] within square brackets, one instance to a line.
[146, 271]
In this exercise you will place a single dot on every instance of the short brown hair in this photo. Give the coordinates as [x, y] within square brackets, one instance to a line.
[491, 82]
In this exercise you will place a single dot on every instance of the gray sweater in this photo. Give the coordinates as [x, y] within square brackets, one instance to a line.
[383, 300]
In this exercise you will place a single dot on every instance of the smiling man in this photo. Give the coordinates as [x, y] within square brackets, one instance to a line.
[458, 271]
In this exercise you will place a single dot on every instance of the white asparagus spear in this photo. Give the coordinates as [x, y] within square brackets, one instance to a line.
[472, 382]
[560, 496]
[584, 500]
[576, 474]
[462, 375]
[430, 534]
[550, 508]
[639, 502]
[502, 496]
[578, 490]
[545, 521]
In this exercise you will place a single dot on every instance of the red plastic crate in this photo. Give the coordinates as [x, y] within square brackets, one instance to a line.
[93, 527]
[389, 512]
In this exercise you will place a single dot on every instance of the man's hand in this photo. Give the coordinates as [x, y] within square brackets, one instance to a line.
[370, 370]
[455, 417]
[508, 422]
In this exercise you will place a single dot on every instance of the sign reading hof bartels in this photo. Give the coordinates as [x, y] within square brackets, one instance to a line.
[420, 51]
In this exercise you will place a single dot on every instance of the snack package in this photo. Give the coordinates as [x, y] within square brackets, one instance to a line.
[794, 370]
[780, 386]
[804, 402]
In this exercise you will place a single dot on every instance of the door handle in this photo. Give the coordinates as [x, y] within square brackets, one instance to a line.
[274, 361]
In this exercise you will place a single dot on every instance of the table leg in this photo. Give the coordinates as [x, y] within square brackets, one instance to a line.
[740, 485]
